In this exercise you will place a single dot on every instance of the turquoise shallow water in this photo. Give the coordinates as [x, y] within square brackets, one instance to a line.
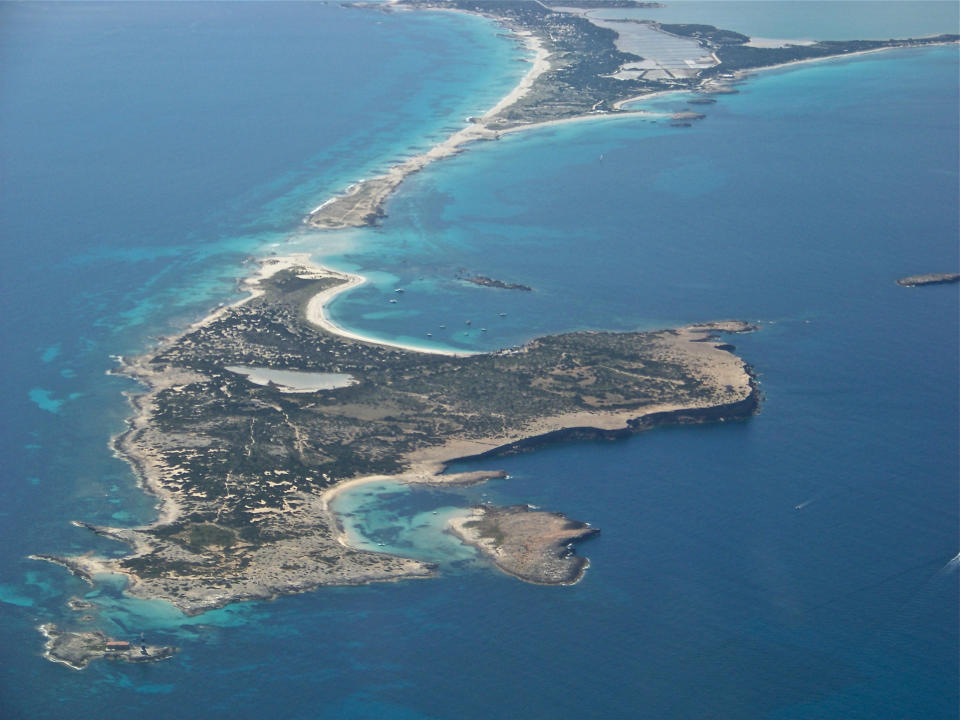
[796, 203]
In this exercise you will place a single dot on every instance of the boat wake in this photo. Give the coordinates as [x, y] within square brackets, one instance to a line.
[951, 566]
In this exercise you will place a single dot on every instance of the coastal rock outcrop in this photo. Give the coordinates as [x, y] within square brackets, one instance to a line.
[929, 279]
[532, 545]
[77, 649]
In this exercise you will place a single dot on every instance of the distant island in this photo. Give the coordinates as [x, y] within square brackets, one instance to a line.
[245, 469]
[929, 279]
[579, 71]
[485, 281]
[77, 649]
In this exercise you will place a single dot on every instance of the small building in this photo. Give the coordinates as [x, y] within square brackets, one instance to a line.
[117, 645]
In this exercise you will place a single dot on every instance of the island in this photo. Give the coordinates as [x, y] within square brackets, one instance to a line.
[585, 66]
[77, 649]
[532, 545]
[484, 281]
[245, 470]
[929, 279]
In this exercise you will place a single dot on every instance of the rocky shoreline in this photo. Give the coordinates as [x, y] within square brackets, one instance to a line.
[531, 545]
[76, 650]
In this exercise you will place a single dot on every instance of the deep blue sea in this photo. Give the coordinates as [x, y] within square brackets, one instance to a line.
[802, 564]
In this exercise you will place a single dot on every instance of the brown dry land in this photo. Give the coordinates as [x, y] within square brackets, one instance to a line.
[532, 545]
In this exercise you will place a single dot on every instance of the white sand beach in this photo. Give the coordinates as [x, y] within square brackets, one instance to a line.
[317, 315]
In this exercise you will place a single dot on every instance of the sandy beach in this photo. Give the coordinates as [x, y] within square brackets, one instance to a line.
[329, 495]
[740, 74]
[266, 267]
[622, 114]
[540, 65]
[431, 477]
[316, 313]
[362, 203]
